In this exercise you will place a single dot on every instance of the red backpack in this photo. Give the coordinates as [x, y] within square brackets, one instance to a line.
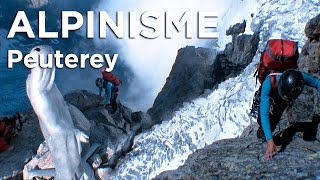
[278, 56]
[108, 76]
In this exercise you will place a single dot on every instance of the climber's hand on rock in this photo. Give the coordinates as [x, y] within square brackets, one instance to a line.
[271, 149]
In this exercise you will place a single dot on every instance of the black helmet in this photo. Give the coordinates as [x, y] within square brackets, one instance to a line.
[290, 85]
[99, 82]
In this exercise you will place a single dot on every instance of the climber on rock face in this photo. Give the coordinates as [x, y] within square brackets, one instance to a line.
[274, 101]
[110, 83]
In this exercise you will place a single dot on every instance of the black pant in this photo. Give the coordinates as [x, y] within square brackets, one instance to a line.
[114, 104]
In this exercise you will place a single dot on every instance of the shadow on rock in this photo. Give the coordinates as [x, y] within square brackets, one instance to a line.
[309, 130]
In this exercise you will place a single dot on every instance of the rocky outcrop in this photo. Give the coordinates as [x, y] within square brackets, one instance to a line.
[188, 79]
[236, 29]
[312, 28]
[243, 158]
[114, 132]
[306, 108]
[82, 99]
[236, 56]
[198, 69]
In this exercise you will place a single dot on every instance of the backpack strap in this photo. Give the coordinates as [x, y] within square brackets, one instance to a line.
[273, 79]
[275, 74]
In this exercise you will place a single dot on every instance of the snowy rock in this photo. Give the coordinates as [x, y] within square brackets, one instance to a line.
[243, 158]
[283, 19]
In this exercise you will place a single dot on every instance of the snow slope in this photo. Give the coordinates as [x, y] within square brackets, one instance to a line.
[223, 113]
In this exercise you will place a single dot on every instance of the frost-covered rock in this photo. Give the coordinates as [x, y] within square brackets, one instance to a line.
[223, 114]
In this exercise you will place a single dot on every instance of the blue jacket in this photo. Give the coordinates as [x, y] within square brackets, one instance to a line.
[265, 100]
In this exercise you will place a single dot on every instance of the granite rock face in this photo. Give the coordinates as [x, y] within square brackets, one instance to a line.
[198, 69]
[236, 56]
[188, 79]
[312, 28]
[306, 108]
[236, 29]
[243, 158]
